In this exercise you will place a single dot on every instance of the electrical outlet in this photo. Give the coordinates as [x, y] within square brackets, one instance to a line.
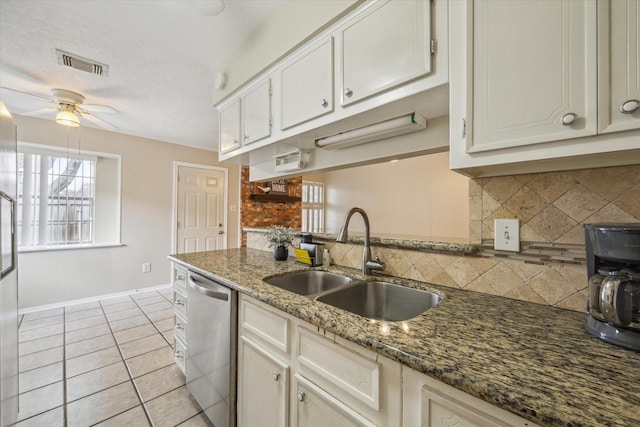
[507, 235]
[146, 267]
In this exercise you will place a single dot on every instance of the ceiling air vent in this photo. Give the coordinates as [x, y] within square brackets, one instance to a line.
[83, 64]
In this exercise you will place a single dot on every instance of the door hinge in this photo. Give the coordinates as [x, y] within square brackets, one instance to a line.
[434, 46]
[270, 121]
[464, 128]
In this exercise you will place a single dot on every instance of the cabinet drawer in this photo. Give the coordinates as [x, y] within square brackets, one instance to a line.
[265, 325]
[180, 302]
[180, 328]
[338, 369]
[180, 279]
[179, 352]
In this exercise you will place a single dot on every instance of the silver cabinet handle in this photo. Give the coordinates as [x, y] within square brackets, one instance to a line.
[179, 302]
[276, 376]
[348, 93]
[301, 396]
[178, 355]
[630, 107]
[179, 326]
[568, 119]
[324, 103]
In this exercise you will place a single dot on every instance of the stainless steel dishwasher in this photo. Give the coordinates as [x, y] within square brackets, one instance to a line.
[212, 315]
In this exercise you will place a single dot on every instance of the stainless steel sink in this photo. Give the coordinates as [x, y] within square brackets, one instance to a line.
[381, 300]
[310, 283]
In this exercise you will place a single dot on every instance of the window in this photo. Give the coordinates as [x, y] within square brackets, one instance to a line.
[312, 207]
[58, 197]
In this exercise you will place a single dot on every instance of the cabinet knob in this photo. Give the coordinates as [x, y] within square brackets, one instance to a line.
[179, 326]
[246, 137]
[630, 107]
[348, 93]
[179, 302]
[568, 119]
[301, 396]
[178, 355]
[276, 376]
[324, 103]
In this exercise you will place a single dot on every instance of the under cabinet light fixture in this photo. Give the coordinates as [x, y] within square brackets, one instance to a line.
[394, 127]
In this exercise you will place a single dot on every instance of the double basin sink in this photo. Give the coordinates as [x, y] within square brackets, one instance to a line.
[372, 299]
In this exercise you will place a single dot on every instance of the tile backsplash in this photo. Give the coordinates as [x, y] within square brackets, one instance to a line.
[551, 207]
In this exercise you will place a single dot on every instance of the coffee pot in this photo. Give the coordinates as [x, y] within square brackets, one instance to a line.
[613, 266]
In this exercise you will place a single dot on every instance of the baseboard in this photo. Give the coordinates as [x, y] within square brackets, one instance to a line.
[91, 299]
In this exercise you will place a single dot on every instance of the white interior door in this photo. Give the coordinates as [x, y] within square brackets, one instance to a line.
[200, 210]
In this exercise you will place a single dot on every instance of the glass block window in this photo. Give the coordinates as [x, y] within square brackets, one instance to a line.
[312, 207]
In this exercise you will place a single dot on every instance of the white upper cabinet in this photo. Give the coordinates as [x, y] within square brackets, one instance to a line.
[619, 65]
[307, 85]
[245, 119]
[384, 47]
[230, 126]
[534, 72]
[377, 62]
[536, 85]
[256, 113]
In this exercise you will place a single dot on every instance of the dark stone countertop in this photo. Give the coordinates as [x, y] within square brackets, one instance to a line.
[536, 361]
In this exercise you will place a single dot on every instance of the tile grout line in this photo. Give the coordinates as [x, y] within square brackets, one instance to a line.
[64, 367]
[126, 365]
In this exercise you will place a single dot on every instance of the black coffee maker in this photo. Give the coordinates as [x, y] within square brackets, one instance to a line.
[613, 266]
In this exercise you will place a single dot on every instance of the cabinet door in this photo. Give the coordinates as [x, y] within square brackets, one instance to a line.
[316, 408]
[389, 44]
[619, 65]
[262, 387]
[428, 402]
[307, 86]
[256, 113]
[230, 127]
[534, 67]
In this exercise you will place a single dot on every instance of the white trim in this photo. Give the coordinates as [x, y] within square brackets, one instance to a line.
[90, 299]
[174, 214]
[36, 248]
[239, 207]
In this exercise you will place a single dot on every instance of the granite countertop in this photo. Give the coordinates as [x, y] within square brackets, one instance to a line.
[536, 361]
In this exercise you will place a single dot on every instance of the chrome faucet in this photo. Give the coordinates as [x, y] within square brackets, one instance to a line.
[368, 265]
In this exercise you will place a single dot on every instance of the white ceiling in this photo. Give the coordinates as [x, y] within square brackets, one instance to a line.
[160, 55]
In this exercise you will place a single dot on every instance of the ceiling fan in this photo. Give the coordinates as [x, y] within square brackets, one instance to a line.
[70, 108]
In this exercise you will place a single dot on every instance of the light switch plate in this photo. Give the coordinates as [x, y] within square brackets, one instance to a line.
[507, 235]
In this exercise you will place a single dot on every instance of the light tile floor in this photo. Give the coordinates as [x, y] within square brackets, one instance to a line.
[105, 363]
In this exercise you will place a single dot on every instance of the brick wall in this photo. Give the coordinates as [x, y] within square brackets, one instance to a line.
[263, 213]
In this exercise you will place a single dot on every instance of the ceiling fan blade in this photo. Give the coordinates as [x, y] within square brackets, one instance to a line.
[98, 121]
[98, 108]
[38, 112]
[40, 98]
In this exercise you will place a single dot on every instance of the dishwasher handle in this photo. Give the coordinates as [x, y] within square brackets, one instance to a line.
[205, 290]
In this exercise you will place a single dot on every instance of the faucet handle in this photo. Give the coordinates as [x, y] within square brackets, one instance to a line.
[375, 265]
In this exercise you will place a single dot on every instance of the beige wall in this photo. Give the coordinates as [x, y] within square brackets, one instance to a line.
[289, 24]
[418, 196]
[146, 217]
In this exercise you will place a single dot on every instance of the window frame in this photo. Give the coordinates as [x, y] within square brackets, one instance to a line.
[308, 218]
[114, 221]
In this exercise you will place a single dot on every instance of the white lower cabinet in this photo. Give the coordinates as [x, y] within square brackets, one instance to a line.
[263, 387]
[292, 374]
[317, 408]
[430, 403]
[180, 320]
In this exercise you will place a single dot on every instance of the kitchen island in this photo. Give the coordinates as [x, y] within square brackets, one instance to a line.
[535, 361]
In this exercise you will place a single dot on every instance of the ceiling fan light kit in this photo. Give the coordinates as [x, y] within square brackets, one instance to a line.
[67, 117]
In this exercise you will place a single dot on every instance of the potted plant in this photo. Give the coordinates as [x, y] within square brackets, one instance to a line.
[280, 238]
